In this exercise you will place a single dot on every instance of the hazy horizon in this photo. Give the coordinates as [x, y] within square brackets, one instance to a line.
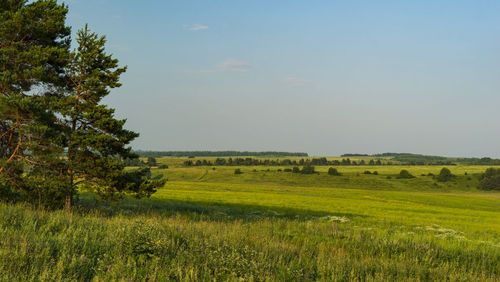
[322, 77]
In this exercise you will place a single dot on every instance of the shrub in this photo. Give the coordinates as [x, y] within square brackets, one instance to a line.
[334, 171]
[279, 169]
[444, 175]
[367, 172]
[375, 173]
[237, 171]
[163, 166]
[490, 180]
[296, 169]
[308, 169]
[287, 170]
[404, 174]
[151, 161]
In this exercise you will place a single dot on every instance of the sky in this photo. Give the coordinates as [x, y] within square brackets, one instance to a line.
[322, 77]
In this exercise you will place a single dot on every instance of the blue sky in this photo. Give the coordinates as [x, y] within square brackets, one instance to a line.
[323, 77]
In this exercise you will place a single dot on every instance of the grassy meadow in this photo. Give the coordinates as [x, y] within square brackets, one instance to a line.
[266, 225]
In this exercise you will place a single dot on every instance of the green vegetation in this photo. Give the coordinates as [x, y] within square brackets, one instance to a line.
[334, 171]
[445, 175]
[207, 224]
[404, 174]
[62, 139]
[217, 154]
[290, 220]
[490, 180]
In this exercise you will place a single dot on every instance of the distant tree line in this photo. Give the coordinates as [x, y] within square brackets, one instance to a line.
[287, 162]
[478, 161]
[218, 154]
[417, 159]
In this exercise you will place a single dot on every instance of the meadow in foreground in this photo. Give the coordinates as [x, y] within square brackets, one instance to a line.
[208, 228]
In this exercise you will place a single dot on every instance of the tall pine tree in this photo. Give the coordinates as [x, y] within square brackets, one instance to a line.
[55, 134]
[34, 51]
[97, 142]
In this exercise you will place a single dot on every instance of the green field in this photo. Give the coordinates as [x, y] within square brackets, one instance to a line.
[208, 224]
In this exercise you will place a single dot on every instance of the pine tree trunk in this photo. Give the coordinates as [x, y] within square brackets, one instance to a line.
[39, 199]
[68, 202]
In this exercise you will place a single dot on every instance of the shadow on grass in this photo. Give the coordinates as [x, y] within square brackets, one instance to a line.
[198, 210]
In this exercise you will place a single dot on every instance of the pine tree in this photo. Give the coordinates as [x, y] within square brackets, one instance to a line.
[97, 141]
[34, 49]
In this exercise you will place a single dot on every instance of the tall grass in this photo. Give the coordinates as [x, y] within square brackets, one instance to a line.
[264, 225]
[189, 240]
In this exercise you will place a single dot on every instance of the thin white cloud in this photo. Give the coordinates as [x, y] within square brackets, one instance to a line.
[296, 81]
[233, 65]
[195, 27]
[228, 65]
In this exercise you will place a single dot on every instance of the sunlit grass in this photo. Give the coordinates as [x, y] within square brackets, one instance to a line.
[210, 224]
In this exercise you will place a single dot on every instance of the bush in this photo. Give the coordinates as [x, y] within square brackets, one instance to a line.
[163, 166]
[367, 172]
[296, 169]
[375, 173]
[444, 175]
[287, 170]
[490, 180]
[404, 174]
[308, 169]
[237, 171]
[334, 171]
[151, 161]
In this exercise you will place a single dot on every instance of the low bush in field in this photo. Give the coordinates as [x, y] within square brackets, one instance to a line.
[334, 172]
[404, 174]
[445, 175]
[237, 171]
[490, 180]
[308, 169]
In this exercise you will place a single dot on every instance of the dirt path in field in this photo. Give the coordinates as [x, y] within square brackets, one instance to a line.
[203, 175]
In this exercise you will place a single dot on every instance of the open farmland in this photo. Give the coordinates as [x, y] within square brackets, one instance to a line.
[266, 224]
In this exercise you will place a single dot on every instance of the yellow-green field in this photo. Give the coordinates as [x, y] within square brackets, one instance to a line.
[210, 224]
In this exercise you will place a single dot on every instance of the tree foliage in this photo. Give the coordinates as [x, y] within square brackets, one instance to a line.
[490, 180]
[56, 136]
[405, 174]
[333, 171]
[444, 175]
[34, 50]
